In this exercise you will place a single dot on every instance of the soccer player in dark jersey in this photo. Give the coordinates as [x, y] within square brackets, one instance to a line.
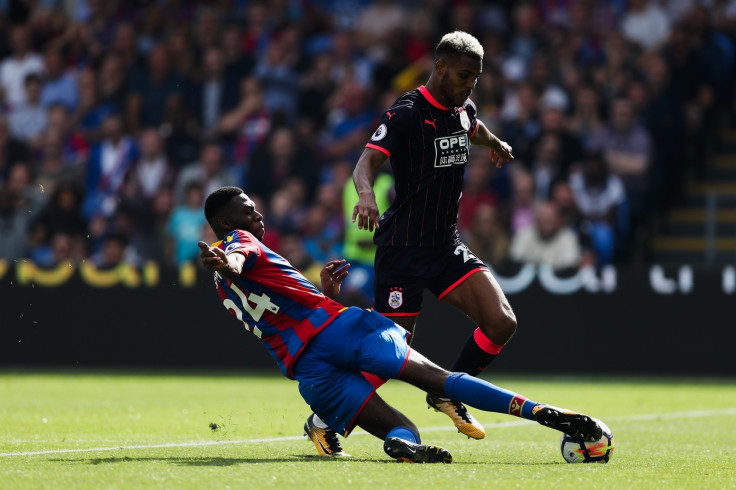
[327, 347]
[426, 134]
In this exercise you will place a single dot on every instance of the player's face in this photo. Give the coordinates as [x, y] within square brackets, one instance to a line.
[243, 216]
[458, 77]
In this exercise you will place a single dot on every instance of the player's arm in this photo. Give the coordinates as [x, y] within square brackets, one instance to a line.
[331, 277]
[500, 150]
[366, 210]
[228, 266]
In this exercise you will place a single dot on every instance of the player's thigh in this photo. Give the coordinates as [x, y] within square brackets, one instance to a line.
[334, 393]
[481, 298]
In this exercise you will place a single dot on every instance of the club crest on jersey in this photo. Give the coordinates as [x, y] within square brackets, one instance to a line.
[451, 150]
[464, 119]
[395, 298]
[380, 133]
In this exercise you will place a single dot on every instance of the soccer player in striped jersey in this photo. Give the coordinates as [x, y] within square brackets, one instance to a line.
[327, 347]
[426, 134]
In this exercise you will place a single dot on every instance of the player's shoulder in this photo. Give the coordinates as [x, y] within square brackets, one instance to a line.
[470, 106]
[406, 102]
[238, 239]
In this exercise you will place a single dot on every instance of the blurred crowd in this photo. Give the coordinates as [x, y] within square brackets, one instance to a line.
[118, 118]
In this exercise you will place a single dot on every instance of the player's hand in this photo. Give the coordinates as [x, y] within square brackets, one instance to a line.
[332, 276]
[366, 210]
[502, 154]
[212, 258]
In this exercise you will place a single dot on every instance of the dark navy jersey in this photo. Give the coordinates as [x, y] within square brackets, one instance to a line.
[428, 146]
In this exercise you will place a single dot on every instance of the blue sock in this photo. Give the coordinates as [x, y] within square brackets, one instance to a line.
[405, 434]
[487, 396]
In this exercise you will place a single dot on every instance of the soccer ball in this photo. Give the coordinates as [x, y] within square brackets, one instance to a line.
[577, 451]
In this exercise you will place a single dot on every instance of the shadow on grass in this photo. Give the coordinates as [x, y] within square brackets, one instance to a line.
[217, 461]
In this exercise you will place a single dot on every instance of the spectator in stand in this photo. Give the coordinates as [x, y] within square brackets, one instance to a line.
[280, 159]
[521, 125]
[585, 119]
[280, 82]
[348, 65]
[599, 197]
[248, 124]
[20, 201]
[549, 242]
[646, 24]
[522, 200]
[627, 149]
[125, 47]
[15, 68]
[62, 213]
[349, 123]
[476, 190]
[488, 237]
[210, 171]
[316, 88]
[152, 171]
[28, 119]
[377, 22]
[526, 37]
[107, 167]
[12, 150]
[153, 91]
[185, 225]
[59, 84]
[212, 93]
[547, 166]
[238, 64]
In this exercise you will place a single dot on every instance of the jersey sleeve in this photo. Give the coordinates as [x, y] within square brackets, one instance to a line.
[242, 242]
[390, 132]
[472, 111]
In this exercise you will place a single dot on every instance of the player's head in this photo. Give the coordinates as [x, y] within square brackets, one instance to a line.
[229, 208]
[458, 63]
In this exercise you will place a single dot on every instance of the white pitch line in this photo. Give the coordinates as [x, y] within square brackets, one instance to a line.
[641, 417]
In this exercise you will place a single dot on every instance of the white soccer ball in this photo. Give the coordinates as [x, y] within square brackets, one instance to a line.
[577, 451]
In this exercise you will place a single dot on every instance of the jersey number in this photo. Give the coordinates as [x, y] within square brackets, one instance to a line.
[462, 249]
[261, 301]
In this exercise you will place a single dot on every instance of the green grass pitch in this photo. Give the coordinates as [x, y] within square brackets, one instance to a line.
[243, 430]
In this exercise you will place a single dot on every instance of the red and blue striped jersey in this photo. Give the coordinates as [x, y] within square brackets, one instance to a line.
[428, 146]
[273, 299]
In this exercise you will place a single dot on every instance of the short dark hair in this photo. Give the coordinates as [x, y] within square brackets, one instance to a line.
[218, 199]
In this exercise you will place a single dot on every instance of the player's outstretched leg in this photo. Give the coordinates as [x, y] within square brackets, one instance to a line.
[465, 423]
[324, 438]
[478, 393]
[486, 396]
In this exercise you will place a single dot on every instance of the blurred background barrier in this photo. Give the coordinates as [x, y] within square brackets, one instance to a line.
[676, 320]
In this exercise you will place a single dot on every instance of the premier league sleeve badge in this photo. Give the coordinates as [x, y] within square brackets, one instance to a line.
[464, 119]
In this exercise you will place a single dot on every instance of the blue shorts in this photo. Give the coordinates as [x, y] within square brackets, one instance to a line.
[329, 370]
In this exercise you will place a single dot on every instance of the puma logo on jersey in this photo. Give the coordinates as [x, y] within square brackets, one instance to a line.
[431, 123]
[389, 115]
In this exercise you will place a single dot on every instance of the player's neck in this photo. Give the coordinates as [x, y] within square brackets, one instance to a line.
[436, 93]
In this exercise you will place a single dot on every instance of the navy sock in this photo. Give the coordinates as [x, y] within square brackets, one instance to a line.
[487, 396]
[405, 434]
[472, 359]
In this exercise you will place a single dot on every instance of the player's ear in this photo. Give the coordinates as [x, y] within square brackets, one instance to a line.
[224, 223]
[440, 66]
